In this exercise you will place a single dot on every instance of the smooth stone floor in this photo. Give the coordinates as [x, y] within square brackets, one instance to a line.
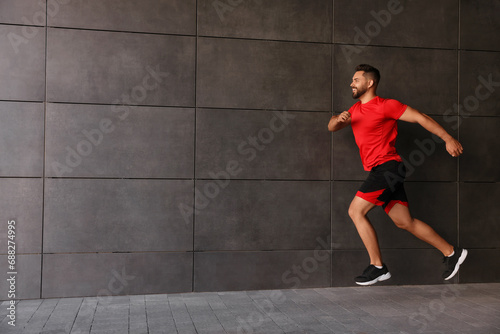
[447, 308]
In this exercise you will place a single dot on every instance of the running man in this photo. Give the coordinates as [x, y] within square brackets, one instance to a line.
[374, 124]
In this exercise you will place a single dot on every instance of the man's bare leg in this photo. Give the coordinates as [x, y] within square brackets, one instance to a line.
[401, 216]
[358, 211]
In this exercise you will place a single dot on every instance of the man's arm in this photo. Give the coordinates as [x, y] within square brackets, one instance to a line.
[414, 116]
[339, 122]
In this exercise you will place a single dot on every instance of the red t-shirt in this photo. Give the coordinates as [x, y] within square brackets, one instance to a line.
[375, 128]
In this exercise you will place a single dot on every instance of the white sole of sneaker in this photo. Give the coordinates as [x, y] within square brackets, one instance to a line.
[461, 260]
[383, 277]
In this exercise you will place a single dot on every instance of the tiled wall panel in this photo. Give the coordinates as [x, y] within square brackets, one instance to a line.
[480, 137]
[153, 16]
[89, 215]
[479, 84]
[479, 227]
[476, 271]
[397, 23]
[235, 73]
[479, 25]
[22, 63]
[21, 201]
[120, 68]
[216, 271]
[28, 277]
[260, 215]
[27, 12]
[293, 20]
[262, 144]
[119, 141]
[103, 275]
[21, 143]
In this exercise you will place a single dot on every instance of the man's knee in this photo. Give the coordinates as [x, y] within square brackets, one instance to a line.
[355, 212]
[359, 208]
[405, 224]
[352, 212]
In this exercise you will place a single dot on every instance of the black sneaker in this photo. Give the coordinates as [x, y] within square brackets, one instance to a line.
[452, 263]
[372, 275]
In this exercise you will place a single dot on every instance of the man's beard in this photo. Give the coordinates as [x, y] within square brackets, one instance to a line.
[358, 93]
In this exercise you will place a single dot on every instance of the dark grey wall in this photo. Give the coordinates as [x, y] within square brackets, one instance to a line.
[119, 117]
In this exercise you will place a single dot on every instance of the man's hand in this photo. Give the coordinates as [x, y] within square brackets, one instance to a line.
[339, 122]
[454, 147]
[344, 117]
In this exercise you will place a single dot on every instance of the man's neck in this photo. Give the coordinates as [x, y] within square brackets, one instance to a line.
[366, 97]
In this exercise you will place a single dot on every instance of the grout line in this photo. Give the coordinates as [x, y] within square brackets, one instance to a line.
[90, 178]
[458, 120]
[332, 140]
[172, 106]
[44, 150]
[194, 139]
[119, 31]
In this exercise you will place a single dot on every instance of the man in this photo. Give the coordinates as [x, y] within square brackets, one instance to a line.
[374, 124]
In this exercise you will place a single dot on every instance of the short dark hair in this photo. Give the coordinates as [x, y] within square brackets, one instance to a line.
[371, 72]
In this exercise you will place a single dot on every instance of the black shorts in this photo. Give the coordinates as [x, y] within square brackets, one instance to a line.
[384, 186]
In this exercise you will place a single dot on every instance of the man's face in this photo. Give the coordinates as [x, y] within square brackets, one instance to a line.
[359, 84]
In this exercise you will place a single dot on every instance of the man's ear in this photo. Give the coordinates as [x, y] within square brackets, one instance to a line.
[370, 83]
